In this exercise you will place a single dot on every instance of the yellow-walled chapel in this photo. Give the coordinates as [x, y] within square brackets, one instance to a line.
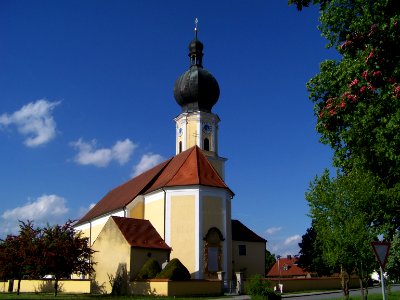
[180, 208]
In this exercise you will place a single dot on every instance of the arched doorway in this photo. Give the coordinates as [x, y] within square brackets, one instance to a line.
[212, 252]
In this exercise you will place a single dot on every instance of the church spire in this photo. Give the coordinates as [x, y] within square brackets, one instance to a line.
[196, 48]
[197, 91]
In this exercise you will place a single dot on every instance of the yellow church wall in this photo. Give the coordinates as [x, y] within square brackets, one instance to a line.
[212, 213]
[110, 262]
[154, 212]
[182, 229]
[191, 133]
[136, 210]
[253, 262]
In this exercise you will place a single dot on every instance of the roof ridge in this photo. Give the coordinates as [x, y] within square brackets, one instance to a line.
[190, 150]
[155, 177]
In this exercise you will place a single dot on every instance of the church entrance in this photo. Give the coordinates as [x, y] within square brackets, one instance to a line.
[212, 253]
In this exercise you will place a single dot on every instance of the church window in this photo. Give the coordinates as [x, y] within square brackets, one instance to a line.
[206, 144]
[242, 250]
[180, 146]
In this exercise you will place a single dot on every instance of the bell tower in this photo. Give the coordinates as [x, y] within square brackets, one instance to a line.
[197, 91]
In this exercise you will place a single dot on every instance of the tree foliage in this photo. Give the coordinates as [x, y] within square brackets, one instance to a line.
[357, 99]
[393, 263]
[54, 250]
[311, 258]
[18, 254]
[340, 208]
[269, 261]
[65, 252]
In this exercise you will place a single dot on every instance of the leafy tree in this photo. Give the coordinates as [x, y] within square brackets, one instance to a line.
[65, 252]
[18, 254]
[311, 258]
[357, 99]
[269, 260]
[393, 262]
[339, 207]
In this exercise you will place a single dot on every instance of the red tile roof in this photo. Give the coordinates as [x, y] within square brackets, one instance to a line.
[242, 233]
[288, 268]
[140, 233]
[190, 167]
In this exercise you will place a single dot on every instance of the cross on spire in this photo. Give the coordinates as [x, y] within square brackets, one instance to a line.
[196, 21]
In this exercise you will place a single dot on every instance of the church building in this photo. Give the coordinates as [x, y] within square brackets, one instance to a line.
[180, 208]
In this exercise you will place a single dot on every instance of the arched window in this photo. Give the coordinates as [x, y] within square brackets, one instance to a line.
[180, 146]
[206, 144]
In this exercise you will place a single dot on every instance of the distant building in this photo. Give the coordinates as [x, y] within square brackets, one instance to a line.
[287, 267]
[180, 208]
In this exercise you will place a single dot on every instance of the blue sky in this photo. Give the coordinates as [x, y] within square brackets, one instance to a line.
[86, 102]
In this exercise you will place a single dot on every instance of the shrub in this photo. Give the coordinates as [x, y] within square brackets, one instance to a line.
[174, 270]
[258, 288]
[149, 270]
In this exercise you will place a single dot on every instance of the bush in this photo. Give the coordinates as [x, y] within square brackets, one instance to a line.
[174, 270]
[149, 270]
[259, 288]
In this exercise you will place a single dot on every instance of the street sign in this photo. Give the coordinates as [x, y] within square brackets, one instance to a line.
[381, 250]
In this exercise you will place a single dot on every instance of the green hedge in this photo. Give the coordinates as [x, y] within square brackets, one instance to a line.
[174, 270]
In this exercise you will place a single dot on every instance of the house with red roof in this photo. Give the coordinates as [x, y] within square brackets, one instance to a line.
[180, 208]
[287, 267]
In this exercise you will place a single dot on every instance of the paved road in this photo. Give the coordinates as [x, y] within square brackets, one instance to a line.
[337, 294]
[322, 295]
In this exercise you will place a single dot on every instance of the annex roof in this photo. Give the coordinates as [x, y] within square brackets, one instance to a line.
[140, 233]
[190, 167]
[241, 233]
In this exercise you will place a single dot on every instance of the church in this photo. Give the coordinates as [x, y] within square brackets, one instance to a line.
[180, 208]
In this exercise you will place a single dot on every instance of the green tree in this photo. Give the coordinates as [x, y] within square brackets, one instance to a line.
[269, 260]
[339, 207]
[311, 258]
[393, 263]
[357, 99]
[65, 252]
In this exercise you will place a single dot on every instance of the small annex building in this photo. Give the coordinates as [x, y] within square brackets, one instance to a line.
[180, 208]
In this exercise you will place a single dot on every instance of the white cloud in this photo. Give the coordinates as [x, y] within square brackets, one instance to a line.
[286, 246]
[34, 121]
[89, 155]
[147, 161]
[45, 209]
[273, 230]
[123, 150]
[294, 239]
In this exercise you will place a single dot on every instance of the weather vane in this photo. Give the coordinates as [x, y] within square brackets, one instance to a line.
[196, 21]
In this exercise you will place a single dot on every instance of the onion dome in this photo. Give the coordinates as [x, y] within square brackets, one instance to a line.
[196, 89]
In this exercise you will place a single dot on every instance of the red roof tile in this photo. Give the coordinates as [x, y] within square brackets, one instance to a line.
[119, 197]
[190, 167]
[242, 233]
[140, 233]
[288, 268]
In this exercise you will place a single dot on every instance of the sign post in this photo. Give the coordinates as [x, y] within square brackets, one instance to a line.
[381, 250]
